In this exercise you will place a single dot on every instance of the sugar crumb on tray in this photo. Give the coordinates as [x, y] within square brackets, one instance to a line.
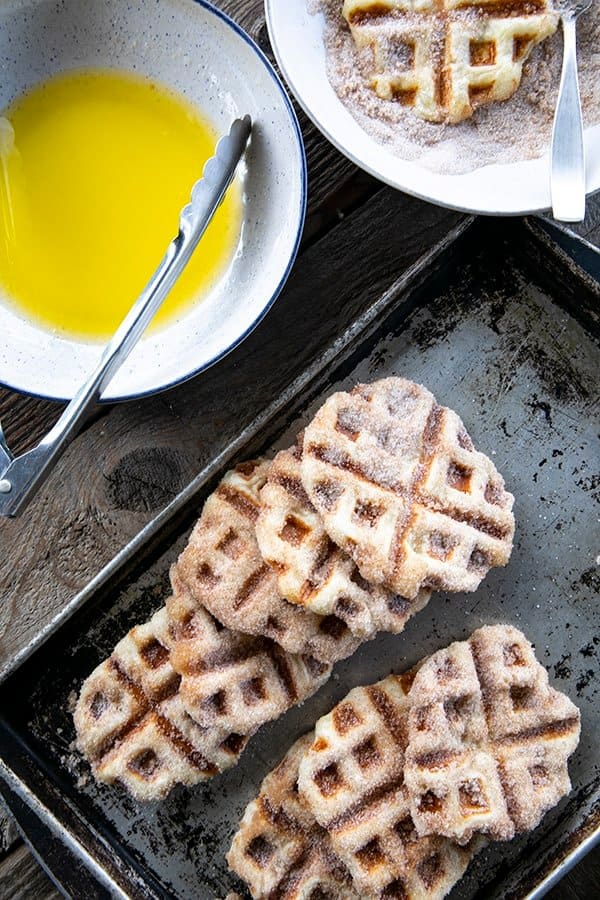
[506, 131]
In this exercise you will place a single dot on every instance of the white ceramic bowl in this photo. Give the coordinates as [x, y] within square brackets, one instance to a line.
[193, 48]
[511, 189]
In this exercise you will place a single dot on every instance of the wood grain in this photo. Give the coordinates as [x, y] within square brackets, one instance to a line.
[21, 878]
[27, 419]
[9, 836]
[590, 228]
[132, 459]
[130, 463]
[327, 168]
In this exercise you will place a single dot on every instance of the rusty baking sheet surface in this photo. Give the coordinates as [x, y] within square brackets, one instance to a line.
[500, 328]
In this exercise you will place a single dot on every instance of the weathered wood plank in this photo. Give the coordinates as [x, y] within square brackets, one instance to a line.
[128, 464]
[590, 228]
[9, 836]
[27, 419]
[582, 882]
[148, 450]
[327, 167]
[21, 878]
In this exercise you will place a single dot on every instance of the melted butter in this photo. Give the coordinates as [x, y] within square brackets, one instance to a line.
[95, 167]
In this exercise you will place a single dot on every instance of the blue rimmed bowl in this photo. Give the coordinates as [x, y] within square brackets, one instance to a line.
[193, 48]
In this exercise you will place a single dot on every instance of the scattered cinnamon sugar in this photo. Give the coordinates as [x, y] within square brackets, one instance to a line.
[516, 129]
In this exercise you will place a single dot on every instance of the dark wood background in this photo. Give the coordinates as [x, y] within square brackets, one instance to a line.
[133, 458]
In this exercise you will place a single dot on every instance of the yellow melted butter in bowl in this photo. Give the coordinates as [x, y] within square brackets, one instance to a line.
[90, 195]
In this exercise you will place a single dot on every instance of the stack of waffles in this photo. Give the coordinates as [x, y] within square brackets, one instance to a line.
[292, 565]
[404, 781]
[445, 58]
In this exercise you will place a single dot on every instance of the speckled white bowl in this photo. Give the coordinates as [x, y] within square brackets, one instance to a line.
[193, 48]
[515, 188]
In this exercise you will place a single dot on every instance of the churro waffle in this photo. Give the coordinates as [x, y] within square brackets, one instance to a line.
[232, 681]
[489, 739]
[444, 58]
[132, 725]
[279, 850]
[226, 574]
[401, 488]
[359, 746]
[351, 778]
[311, 570]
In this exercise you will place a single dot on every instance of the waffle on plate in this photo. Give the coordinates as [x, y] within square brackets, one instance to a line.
[445, 58]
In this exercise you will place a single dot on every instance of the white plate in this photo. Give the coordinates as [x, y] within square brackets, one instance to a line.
[196, 50]
[511, 189]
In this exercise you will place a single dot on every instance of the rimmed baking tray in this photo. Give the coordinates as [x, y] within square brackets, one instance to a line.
[501, 324]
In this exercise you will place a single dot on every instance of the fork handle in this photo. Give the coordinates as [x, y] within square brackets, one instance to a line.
[568, 162]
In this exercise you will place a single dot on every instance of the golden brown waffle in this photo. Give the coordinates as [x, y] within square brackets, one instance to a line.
[489, 739]
[226, 574]
[133, 728]
[232, 681]
[311, 570]
[401, 488]
[444, 58]
[351, 778]
[359, 746]
[279, 850]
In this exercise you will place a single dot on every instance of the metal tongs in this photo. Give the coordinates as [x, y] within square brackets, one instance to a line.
[21, 476]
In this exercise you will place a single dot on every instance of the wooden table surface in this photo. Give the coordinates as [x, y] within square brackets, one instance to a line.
[133, 458]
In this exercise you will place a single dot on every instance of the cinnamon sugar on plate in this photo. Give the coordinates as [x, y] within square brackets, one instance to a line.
[510, 131]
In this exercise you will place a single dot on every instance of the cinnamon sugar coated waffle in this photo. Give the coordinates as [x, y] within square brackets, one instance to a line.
[133, 728]
[234, 681]
[351, 778]
[225, 574]
[279, 850]
[445, 58]
[488, 740]
[351, 783]
[401, 488]
[311, 570]
[358, 746]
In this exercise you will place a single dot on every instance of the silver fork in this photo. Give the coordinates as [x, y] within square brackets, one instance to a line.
[568, 160]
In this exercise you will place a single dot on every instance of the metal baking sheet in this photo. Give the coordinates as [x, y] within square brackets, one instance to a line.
[502, 327]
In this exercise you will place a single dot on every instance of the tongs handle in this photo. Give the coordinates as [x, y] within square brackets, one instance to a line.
[22, 476]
